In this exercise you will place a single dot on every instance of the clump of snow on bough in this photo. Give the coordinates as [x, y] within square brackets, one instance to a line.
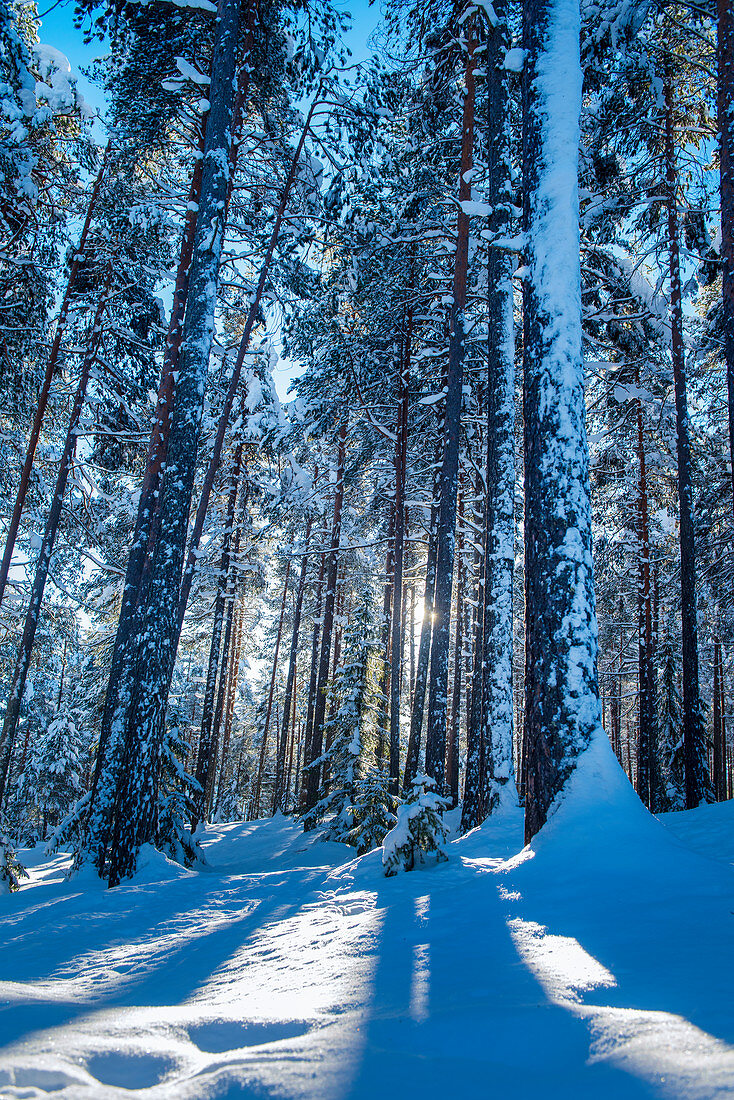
[420, 833]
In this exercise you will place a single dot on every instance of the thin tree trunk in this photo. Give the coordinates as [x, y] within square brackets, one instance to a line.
[438, 685]
[725, 111]
[53, 358]
[719, 776]
[698, 787]
[452, 750]
[288, 699]
[211, 771]
[25, 650]
[499, 535]
[561, 691]
[313, 675]
[472, 811]
[319, 710]
[383, 679]
[271, 692]
[396, 645]
[232, 678]
[647, 787]
[424, 653]
[215, 648]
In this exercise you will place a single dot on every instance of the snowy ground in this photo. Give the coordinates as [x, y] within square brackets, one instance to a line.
[598, 964]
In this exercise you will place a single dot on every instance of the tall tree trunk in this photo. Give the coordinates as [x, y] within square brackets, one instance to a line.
[698, 787]
[215, 648]
[319, 710]
[452, 750]
[473, 810]
[561, 692]
[136, 807]
[396, 645]
[412, 756]
[225, 418]
[288, 699]
[499, 535]
[122, 665]
[232, 678]
[211, 771]
[725, 111]
[25, 650]
[438, 685]
[719, 776]
[383, 679]
[271, 692]
[647, 786]
[53, 358]
[314, 673]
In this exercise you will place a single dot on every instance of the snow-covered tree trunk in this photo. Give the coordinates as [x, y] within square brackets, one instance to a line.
[25, 650]
[252, 319]
[122, 664]
[561, 692]
[698, 785]
[136, 797]
[319, 709]
[314, 668]
[647, 785]
[719, 740]
[472, 810]
[396, 643]
[424, 653]
[448, 482]
[280, 793]
[271, 695]
[499, 535]
[454, 716]
[725, 111]
[217, 659]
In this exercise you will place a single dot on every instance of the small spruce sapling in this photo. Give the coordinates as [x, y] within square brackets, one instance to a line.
[175, 804]
[420, 833]
[11, 870]
[372, 812]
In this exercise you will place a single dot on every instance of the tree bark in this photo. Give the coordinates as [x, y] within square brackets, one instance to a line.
[313, 675]
[135, 815]
[438, 686]
[561, 691]
[725, 111]
[288, 699]
[396, 645]
[319, 711]
[215, 648]
[698, 787]
[499, 535]
[647, 786]
[271, 692]
[719, 776]
[452, 749]
[424, 653]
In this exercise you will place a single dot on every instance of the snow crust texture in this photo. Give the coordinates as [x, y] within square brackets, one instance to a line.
[595, 963]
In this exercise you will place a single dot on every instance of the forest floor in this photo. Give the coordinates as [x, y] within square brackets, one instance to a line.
[597, 963]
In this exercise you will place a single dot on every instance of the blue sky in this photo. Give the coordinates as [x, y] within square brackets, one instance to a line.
[57, 29]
